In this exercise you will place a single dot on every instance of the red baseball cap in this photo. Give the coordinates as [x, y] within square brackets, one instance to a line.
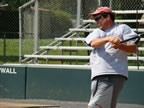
[100, 10]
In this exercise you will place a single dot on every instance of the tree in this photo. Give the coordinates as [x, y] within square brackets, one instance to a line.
[13, 4]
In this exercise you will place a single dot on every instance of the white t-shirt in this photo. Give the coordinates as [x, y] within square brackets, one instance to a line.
[107, 60]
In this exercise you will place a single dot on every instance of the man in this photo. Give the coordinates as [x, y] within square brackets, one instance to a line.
[108, 60]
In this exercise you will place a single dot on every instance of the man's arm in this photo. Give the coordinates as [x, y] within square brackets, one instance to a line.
[98, 42]
[129, 48]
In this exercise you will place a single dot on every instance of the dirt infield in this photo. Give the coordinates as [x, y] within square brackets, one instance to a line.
[12, 103]
[45, 103]
[9, 104]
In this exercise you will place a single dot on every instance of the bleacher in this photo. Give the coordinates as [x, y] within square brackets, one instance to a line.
[74, 51]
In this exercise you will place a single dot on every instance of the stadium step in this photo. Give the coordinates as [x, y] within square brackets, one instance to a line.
[72, 57]
[118, 21]
[70, 39]
[74, 48]
[66, 48]
[90, 30]
[79, 39]
[58, 57]
[128, 11]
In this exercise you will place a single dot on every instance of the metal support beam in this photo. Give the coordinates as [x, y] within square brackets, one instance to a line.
[20, 36]
[78, 12]
[36, 26]
[20, 26]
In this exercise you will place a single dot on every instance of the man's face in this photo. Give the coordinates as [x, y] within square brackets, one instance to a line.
[101, 21]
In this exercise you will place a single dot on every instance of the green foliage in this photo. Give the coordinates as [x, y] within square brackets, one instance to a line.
[64, 5]
[54, 23]
[13, 4]
[126, 4]
[62, 19]
[60, 22]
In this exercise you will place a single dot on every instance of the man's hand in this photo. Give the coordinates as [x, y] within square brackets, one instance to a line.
[115, 40]
[129, 48]
[116, 46]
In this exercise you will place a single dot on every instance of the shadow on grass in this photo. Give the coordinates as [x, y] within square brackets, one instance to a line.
[9, 59]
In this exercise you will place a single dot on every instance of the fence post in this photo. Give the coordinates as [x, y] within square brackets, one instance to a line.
[78, 12]
[36, 27]
[20, 36]
[4, 55]
[110, 4]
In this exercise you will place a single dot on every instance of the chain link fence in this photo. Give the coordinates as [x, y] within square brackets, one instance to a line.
[8, 37]
[54, 20]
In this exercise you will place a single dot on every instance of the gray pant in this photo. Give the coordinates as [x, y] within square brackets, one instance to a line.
[105, 91]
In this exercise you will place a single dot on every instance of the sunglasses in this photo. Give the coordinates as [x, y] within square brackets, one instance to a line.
[98, 18]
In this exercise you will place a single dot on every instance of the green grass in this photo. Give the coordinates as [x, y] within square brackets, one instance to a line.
[12, 48]
[11, 51]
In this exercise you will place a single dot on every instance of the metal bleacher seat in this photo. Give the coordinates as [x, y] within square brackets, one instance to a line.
[75, 48]
[69, 57]
[70, 39]
[73, 57]
[90, 30]
[118, 21]
[66, 48]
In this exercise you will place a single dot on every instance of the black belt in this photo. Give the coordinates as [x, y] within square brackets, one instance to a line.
[109, 76]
